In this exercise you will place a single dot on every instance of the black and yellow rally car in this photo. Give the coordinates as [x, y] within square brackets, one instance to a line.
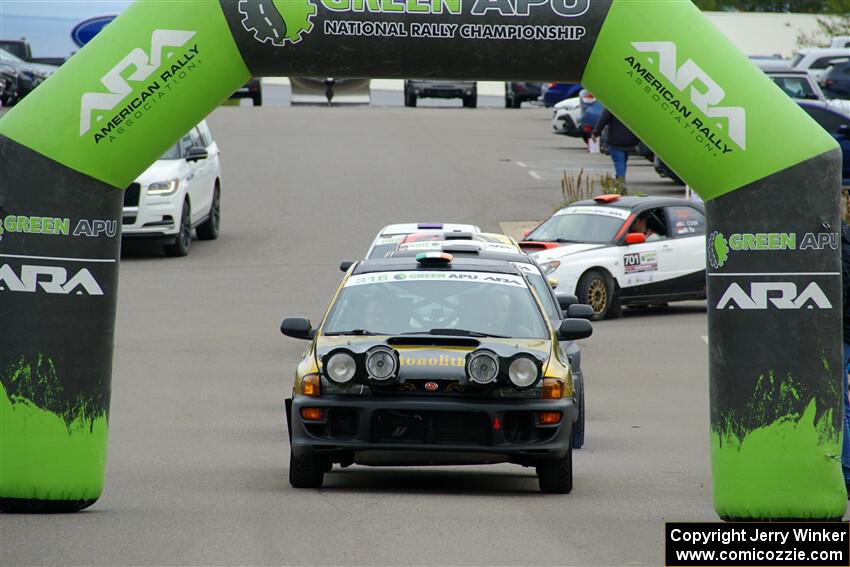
[433, 360]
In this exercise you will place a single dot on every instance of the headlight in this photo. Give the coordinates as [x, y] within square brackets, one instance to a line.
[163, 188]
[482, 367]
[381, 364]
[522, 372]
[549, 267]
[340, 368]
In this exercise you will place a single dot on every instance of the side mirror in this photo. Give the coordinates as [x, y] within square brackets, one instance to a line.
[196, 153]
[580, 311]
[565, 300]
[553, 282]
[343, 266]
[574, 329]
[635, 238]
[297, 328]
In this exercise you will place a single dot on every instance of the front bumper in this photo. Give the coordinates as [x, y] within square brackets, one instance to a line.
[430, 430]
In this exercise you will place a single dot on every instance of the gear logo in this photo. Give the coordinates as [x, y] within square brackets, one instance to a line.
[278, 22]
[718, 249]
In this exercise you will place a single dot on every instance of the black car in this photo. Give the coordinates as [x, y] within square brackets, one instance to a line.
[433, 360]
[517, 93]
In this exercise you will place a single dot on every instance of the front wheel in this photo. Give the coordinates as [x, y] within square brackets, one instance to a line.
[596, 288]
[181, 244]
[556, 477]
[307, 471]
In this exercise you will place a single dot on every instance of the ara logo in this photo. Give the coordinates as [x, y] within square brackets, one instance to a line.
[115, 80]
[782, 295]
[707, 96]
[51, 279]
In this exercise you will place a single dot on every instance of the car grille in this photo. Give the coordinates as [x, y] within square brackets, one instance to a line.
[431, 427]
[131, 195]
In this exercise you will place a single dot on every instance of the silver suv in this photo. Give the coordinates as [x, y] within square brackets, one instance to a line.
[415, 89]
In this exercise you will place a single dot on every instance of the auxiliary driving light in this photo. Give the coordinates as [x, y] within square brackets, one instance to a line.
[340, 367]
[482, 367]
[522, 372]
[381, 364]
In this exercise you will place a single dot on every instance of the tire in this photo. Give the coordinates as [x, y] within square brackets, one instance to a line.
[508, 102]
[258, 99]
[596, 288]
[183, 242]
[470, 101]
[556, 477]
[578, 426]
[208, 230]
[306, 472]
[409, 100]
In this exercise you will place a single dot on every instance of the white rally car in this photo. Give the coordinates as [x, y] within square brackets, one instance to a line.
[613, 251]
[390, 236]
[179, 193]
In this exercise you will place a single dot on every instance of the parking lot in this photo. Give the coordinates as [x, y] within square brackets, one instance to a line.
[198, 455]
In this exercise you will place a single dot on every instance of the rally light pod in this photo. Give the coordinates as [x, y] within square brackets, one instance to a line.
[339, 366]
[523, 371]
[382, 364]
[482, 367]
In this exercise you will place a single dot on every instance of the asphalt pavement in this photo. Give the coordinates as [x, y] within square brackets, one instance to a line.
[198, 457]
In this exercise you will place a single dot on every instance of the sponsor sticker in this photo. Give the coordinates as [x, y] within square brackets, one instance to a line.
[601, 211]
[773, 295]
[640, 262]
[57, 226]
[477, 277]
[720, 247]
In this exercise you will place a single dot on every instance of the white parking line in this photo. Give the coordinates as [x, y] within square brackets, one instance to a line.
[521, 164]
[262, 10]
[535, 175]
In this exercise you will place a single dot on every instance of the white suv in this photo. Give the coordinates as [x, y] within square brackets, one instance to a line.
[180, 192]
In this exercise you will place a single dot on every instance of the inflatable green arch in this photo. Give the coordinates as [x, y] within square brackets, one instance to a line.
[763, 167]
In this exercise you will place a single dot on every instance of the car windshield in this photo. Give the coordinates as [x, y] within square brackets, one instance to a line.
[795, 87]
[588, 224]
[436, 302]
[171, 153]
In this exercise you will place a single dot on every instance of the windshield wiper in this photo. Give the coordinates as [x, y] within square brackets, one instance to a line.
[457, 332]
[558, 240]
[351, 332]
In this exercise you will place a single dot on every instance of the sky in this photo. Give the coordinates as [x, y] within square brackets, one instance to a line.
[47, 24]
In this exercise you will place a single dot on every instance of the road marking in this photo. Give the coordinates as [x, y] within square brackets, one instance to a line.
[535, 175]
[269, 22]
[521, 164]
[275, 33]
[704, 338]
[744, 274]
[262, 10]
[107, 260]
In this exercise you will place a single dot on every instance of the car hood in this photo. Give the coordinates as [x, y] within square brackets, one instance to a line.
[564, 251]
[161, 170]
[434, 357]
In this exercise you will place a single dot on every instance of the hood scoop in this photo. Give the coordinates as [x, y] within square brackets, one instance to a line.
[433, 340]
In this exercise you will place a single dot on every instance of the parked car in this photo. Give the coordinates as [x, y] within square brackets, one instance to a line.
[29, 75]
[21, 49]
[329, 90]
[595, 250]
[836, 123]
[253, 89]
[518, 93]
[9, 76]
[817, 59]
[566, 118]
[554, 93]
[179, 193]
[663, 170]
[414, 89]
[835, 82]
[591, 111]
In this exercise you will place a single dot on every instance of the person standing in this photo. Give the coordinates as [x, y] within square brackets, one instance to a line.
[621, 141]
